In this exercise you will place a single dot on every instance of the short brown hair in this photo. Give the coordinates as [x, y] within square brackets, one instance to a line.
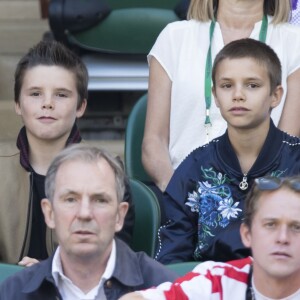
[257, 191]
[52, 53]
[258, 51]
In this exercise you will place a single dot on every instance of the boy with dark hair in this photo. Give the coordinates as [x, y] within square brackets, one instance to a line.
[50, 94]
[204, 200]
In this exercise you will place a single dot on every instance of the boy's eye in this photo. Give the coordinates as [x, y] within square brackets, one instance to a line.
[253, 85]
[35, 94]
[62, 95]
[226, 85]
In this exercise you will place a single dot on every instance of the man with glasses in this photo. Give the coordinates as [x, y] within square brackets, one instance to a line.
[271, 228]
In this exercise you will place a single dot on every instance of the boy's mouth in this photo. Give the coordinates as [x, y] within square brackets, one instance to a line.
[46, 118]
[239, 108]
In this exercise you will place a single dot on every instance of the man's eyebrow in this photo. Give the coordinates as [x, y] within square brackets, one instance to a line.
[101, 194]
[278, 219]
[72, 192]
[269, 219]
[68, 192]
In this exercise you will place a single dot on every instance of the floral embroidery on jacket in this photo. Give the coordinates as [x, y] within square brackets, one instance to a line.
[213, 202]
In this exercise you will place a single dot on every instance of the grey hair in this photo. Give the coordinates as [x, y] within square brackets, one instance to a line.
[89, 154]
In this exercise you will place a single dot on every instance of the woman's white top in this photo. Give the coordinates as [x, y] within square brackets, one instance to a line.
[181, 49]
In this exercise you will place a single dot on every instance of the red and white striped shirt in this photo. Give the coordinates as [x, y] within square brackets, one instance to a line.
[208, 281]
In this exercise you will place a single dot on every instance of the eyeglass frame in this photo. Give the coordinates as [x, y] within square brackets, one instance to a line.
[269, 183]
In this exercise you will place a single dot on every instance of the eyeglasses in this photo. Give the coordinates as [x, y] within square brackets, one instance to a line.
[274, 183]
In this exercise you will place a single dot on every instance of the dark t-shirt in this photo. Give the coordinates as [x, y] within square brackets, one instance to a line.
[37, 247]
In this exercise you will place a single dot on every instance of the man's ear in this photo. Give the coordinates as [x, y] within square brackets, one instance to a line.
[213, 91]
[122, 211]
[81, 109]
[276, 96]
[245, 233]
[48, 213]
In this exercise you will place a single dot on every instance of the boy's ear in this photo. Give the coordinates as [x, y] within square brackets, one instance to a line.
[81, 109]
[276, 96]
[213, 90]
[245, 233]
[18, 109]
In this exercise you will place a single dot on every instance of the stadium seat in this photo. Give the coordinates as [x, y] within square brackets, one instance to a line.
[147, 218]
[113, 26]
[133, 141]
[7, 270]
[183, 267]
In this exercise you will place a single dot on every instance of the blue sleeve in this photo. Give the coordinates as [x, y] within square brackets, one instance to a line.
[177, 238]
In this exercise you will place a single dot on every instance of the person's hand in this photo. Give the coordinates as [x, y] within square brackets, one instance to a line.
[132, 296]
[27, 261]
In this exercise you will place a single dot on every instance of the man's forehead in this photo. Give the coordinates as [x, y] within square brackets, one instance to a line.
[283, 201]
[96, 174]
[100, 163]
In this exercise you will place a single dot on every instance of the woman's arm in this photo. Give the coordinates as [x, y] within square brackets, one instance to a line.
[155, 148]
[289, 120]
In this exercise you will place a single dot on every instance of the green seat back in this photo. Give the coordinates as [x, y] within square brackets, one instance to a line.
[166, 4]
[8, 269]
[183, 267]
[126, 31]
[133, 141]
[147, 218]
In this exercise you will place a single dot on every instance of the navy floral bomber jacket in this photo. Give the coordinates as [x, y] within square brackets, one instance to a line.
[205, 197]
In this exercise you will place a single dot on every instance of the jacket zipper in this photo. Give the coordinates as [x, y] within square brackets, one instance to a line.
[244, 184]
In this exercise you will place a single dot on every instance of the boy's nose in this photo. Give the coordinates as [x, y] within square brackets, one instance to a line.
[238, 94]
[48, 103]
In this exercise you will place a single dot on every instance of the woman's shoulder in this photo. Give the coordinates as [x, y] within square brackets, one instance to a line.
[287, 28]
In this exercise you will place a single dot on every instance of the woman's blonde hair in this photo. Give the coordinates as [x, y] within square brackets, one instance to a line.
[206, 10]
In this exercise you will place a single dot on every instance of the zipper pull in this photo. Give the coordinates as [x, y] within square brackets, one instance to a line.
[244, 184]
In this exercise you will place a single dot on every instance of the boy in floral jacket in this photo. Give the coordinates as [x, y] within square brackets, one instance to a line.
[205, 198]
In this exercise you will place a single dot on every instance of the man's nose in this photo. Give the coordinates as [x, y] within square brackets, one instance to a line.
[85, 209]
[283, 234]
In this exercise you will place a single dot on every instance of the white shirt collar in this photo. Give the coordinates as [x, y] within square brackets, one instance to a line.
[69, 290]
